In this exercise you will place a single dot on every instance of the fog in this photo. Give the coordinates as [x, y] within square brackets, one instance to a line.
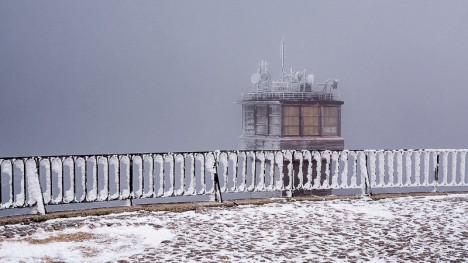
[84, 77]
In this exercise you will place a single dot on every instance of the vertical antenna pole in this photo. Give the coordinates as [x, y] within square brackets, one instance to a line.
[282, 59]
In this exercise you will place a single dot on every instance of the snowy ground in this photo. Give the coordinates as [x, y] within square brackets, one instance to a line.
[400, 229]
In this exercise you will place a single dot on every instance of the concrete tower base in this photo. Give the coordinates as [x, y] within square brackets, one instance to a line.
[291, 143]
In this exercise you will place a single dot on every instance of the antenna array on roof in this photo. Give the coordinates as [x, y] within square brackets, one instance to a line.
[298, 81]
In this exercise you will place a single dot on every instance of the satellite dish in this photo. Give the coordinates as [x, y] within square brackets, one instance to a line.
[298, 75]
[310, 79]
[255, 78]
[265, 76]
[335, 84]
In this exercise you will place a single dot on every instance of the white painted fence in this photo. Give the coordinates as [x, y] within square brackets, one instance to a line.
[41, 181]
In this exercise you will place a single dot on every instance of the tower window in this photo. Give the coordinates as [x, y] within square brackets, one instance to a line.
[261, 116]
[330, 121]
[291, 120]
[311, 120]
[274, 120]
[249, 119]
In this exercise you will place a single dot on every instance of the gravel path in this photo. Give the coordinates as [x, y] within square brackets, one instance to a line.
[425, 229]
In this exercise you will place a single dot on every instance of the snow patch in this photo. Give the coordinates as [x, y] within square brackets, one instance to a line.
[108, 244]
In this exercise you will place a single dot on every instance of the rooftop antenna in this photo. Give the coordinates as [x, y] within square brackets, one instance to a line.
[282, 59]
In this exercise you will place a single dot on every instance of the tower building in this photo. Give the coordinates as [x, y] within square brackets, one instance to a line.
[291, 112]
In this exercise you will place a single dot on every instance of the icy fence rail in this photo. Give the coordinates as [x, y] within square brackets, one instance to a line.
[39, 181]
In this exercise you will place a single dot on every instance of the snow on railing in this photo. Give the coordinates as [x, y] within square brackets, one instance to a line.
[41, 181]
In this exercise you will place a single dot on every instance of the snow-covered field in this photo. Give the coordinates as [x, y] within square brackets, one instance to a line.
[397, 230]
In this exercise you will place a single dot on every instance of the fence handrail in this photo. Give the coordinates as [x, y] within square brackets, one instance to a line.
[46, 180]
[292, 95]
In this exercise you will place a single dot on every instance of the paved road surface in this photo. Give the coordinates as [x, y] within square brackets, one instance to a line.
[425, 229]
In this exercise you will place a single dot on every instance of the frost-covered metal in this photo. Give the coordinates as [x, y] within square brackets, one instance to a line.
[57, 180]
[45, 180]
[91, 179]
[103, 178]
[34, 196]
[148, 180]
[42, 181]
[114, 192]
[80, 176]
[69, 180]
[124, 177]
[137, 173]
[158, 175]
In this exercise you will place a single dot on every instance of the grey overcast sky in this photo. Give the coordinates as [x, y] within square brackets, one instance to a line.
[82, 77]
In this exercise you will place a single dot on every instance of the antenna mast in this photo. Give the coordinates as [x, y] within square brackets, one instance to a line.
[282, 59]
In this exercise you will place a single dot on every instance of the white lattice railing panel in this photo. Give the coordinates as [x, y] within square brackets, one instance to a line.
[39, 181]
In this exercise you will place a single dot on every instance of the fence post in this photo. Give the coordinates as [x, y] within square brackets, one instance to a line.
[368, 177]
[217, 187]
[289, 156]
[292, 173]
[34, 187]
[365, 181]
[436, 172]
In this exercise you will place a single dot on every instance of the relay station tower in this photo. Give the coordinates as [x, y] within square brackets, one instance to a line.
[291, 113]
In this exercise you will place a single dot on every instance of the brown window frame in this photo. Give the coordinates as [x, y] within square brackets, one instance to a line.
[325, 119]
[321, 120]
[317, 117]
[283, 122]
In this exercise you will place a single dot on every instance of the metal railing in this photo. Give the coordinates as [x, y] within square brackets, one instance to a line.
[41, 181]
[285, 85]
[291, 95]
